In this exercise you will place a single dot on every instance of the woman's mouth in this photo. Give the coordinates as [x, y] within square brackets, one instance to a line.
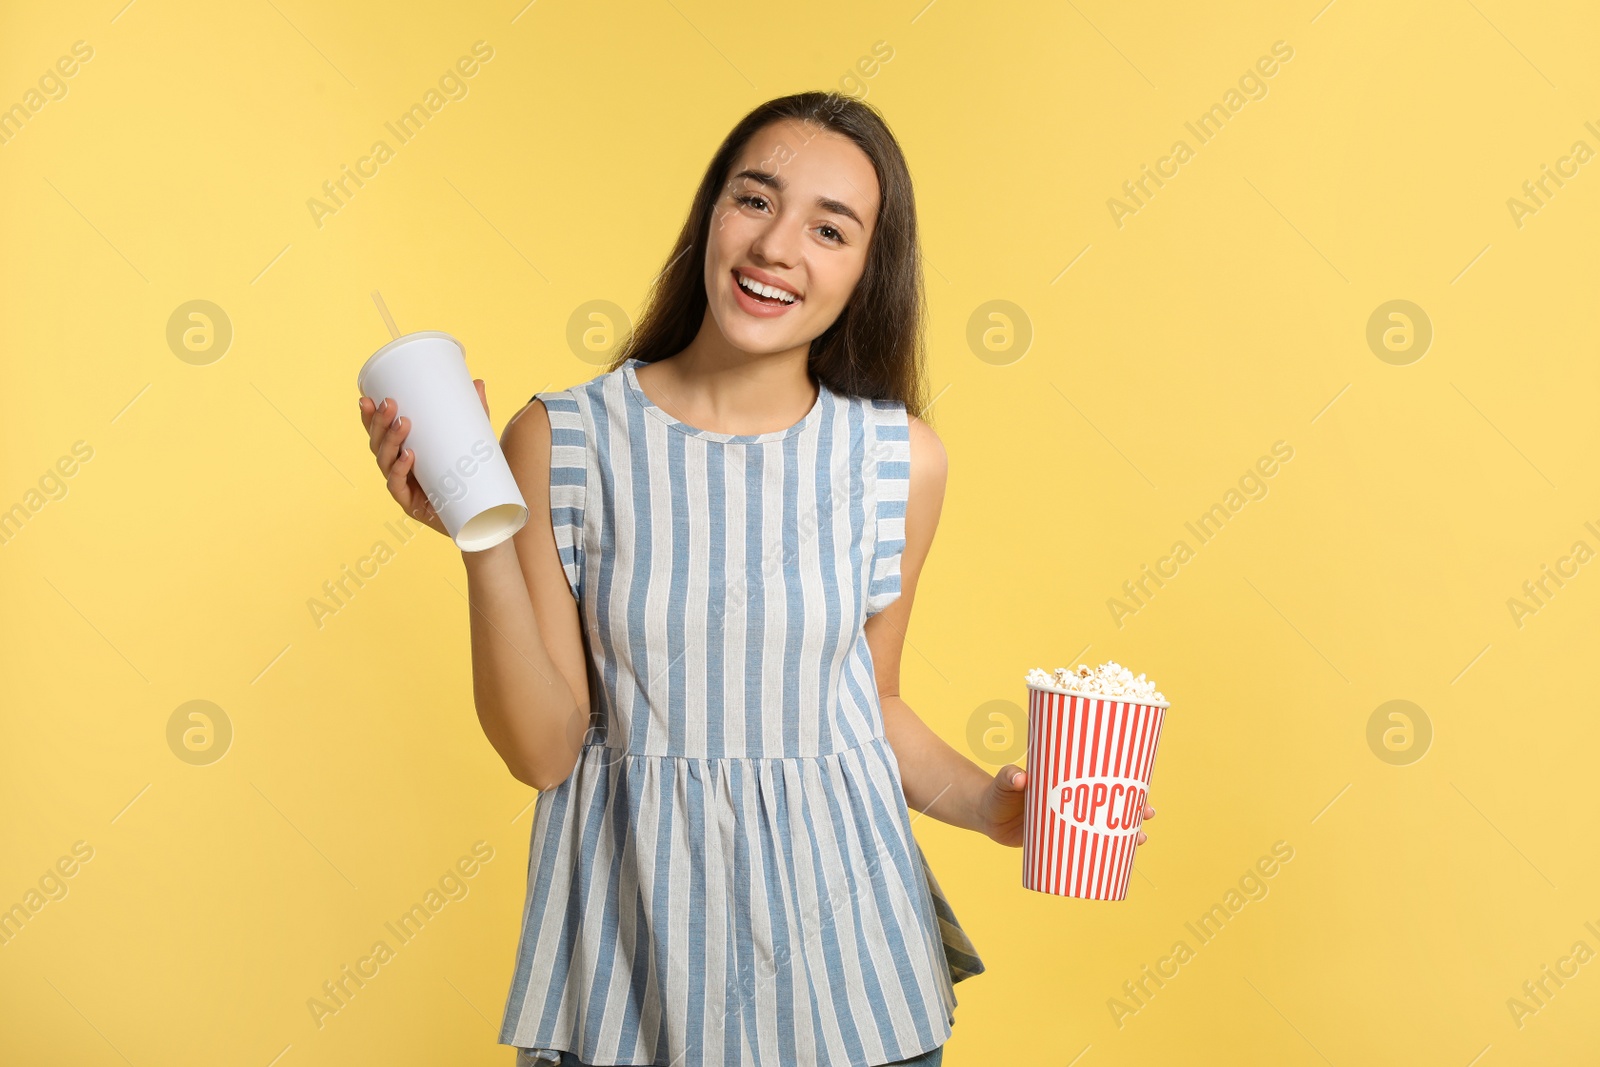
[759, 299]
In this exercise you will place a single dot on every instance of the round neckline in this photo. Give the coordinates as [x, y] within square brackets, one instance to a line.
[637, 392]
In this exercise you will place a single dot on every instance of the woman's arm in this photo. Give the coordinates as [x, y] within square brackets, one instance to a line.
[937, 779]
[529, 674]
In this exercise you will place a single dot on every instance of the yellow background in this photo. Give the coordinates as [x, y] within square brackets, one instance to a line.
[1229, 313]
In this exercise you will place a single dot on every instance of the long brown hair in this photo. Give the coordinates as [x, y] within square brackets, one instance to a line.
[876, 347]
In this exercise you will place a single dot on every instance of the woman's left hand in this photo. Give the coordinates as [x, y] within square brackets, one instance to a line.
[1001, 806]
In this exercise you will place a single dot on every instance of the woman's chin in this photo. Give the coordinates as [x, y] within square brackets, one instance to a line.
[757, 338]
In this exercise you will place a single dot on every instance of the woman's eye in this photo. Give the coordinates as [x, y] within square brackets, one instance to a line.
[829, 232]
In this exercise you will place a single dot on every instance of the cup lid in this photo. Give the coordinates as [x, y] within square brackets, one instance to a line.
[361, 375]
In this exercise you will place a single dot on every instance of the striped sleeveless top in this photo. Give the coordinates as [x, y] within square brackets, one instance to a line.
[728, 876]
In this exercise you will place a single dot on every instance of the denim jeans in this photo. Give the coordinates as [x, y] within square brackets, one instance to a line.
[525, 1058]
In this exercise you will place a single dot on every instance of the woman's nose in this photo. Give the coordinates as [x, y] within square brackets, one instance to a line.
[779, 243]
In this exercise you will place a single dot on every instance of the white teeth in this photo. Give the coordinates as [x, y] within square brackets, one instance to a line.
[766, 290]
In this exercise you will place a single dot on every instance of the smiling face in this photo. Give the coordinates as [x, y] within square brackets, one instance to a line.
[795, 219]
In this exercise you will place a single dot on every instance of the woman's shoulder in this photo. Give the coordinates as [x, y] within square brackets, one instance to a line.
[891, 419]
[923, 436]
[904, 446]
[593, 391]
[561, 417]
[930, 463]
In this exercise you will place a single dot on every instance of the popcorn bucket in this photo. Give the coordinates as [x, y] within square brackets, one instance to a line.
[1089, 764]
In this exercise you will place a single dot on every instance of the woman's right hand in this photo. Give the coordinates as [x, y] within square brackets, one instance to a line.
[386, 434]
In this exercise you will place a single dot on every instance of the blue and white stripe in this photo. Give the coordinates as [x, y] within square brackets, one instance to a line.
[729, 876]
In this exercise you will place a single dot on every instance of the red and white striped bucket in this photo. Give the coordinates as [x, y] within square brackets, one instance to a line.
[1089, 764]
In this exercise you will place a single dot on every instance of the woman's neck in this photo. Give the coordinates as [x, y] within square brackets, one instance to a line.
[722, 389]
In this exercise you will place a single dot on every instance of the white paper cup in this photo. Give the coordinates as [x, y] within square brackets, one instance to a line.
[1089, 764]
[458, 459]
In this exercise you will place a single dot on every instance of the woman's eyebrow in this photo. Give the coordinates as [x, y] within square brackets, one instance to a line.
[826, 203]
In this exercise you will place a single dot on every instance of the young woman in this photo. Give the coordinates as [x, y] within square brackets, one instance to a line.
[696, 659]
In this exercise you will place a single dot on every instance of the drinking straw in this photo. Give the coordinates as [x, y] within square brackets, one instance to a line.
[388, 319]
